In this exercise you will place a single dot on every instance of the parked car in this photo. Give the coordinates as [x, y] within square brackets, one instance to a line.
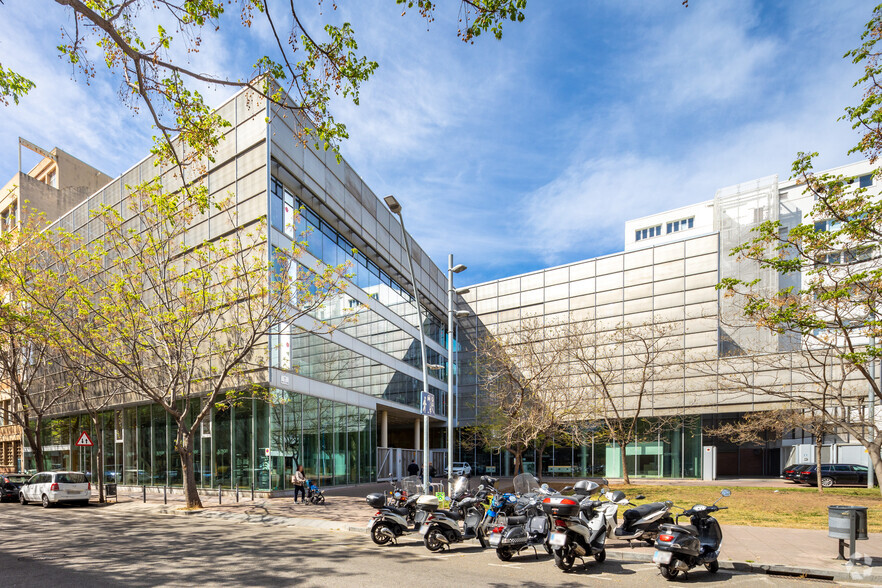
[461, 468]
[9, 485]
[790, 472]
[833, 474]
[50, 488]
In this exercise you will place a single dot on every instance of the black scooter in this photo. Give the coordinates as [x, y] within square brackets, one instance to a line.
[642, 522]
[679, 548]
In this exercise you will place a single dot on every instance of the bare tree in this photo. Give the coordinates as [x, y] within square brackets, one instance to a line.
[621, 368]
[763, 426]
[527, 395]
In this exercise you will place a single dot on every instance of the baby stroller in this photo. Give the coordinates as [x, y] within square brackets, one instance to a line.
[314, 494]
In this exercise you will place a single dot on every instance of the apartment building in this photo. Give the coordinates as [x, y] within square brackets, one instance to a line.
[56, 184]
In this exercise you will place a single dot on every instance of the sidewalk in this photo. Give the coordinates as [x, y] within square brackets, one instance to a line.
[798, 552]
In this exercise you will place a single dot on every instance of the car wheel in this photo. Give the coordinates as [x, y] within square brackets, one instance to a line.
[46, 503]
[21, 498]
[827, 482]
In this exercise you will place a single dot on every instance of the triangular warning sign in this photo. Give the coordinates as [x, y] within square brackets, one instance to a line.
[84, 440]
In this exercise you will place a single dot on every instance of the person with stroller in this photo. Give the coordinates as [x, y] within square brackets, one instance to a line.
[298, 479]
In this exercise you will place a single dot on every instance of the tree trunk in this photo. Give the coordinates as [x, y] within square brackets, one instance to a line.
[541, 453]
[518, 461]
[876, 460]
[185, 450]
[625, 477]
[34, 440]
[819, 442]
[99, 445]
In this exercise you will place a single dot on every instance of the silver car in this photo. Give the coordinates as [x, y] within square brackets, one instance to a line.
[50, 488]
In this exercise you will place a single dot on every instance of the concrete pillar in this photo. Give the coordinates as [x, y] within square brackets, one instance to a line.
[384, 428]
[416, 433]
[584, 461]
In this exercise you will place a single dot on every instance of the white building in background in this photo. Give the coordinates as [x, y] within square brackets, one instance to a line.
[666, 275]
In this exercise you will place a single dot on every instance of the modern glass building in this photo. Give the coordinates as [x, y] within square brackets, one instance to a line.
[331, 396]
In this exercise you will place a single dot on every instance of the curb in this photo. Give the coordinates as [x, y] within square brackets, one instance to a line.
[842, 575]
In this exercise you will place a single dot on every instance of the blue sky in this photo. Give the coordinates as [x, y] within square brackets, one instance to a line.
[532, 151]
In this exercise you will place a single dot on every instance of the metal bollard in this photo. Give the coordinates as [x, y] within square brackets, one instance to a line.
[165, 494]
[237, 492]
[144, 493]
[219, 495]
[252, 491]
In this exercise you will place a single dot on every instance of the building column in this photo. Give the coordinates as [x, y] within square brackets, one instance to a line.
[384, 428]
[416, 433]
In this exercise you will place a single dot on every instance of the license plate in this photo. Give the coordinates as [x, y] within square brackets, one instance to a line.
[495, 538]
[424, 529]
[557, 539]
[662, 557]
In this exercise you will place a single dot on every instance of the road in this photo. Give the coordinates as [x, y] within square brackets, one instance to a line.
[101, 546]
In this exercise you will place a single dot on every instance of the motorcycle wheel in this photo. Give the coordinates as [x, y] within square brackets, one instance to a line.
[378, 537]
[432, 541]
[668, 572]
[564, 561]
[713, 566]
[504, 553]
[482, 537]
[600, 556]
[548, 549]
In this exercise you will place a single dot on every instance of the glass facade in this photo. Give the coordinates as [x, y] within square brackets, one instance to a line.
[254, 441]
[675, 452]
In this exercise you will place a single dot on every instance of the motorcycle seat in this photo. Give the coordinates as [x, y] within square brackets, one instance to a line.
[516, 520]
[638, 512]
[401, 511]
[692, 529]
[450, 514]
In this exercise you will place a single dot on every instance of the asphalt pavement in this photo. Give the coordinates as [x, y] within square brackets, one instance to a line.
[92, 546]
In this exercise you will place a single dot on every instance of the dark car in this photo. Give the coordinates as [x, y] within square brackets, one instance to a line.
[834, 474]
[9, 485]
[792, 471]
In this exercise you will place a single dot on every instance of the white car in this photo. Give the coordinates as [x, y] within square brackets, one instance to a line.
[50, 488]
[461, 468]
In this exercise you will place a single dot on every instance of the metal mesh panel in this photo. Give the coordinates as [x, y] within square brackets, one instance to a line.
[737, 211]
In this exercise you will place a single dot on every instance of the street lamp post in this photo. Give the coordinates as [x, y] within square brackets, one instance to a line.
[395, 207]
[451, 269]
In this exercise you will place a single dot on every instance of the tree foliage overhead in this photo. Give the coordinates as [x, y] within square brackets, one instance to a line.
[146, 45]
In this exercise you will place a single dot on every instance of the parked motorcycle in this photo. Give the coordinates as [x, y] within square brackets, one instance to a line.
[442, 527]
[529, 525]
[581, 524]
[389, 523]
[679, 548]
[642, 522]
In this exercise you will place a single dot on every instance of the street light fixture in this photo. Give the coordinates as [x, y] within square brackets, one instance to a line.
[395, 207]
[451, 269]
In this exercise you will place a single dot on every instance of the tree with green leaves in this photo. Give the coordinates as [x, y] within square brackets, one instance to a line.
[145, 45]
[184, 325]
[835, 311]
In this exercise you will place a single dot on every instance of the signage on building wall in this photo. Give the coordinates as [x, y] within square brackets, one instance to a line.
[84, 440]
[267, 451]
[428, 404]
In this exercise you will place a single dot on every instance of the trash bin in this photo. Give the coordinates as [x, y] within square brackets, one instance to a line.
[842, 518]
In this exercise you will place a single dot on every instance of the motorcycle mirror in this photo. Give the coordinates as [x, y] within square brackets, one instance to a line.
[726, 492]
[544, 486]
[565, 488]
[668, 503]
[639, 497]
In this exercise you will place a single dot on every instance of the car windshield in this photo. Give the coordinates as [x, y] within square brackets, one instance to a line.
[72, 478]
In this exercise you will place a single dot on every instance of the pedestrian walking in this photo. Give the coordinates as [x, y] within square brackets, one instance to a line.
[432, 472]
[413, 469]
[298, 479]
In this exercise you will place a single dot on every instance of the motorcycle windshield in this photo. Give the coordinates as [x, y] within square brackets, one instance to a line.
[525, 483]
[412, 485]
[460, 486]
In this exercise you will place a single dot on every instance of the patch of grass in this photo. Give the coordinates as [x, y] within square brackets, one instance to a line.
[799, 507]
